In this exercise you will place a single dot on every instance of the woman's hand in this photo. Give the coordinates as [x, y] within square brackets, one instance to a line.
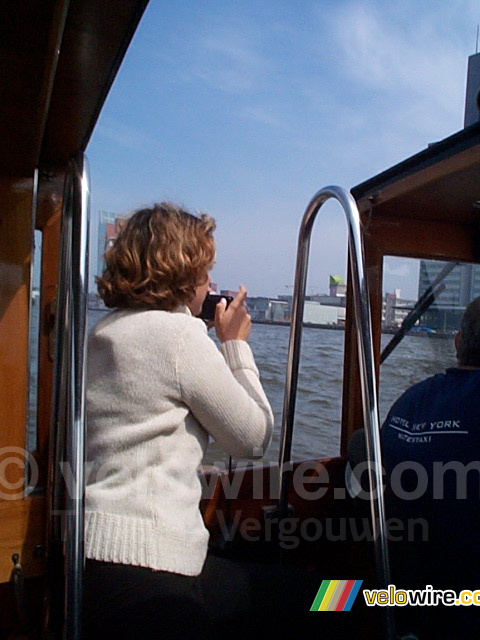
[234, 322]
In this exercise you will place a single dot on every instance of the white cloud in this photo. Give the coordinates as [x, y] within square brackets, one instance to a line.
[229, 59]
[401, 269]
[408, 59]
[126, 136]
[401, 273]
[261, 114]
[386, 79]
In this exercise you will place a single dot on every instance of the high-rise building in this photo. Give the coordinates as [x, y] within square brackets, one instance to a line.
[472, 94]
[108, 226]
[461, 285]
[395, 309]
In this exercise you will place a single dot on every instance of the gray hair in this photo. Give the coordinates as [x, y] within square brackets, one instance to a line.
[468, 346]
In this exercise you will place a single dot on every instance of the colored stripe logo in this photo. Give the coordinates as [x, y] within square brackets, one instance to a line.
[336, 595]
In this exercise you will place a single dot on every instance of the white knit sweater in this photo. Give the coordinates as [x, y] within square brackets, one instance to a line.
[157, 387]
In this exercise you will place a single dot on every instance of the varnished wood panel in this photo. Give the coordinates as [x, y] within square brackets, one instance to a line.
[21, 519]
[49, 211]
[243, 496]
[15, 250]
[422, 239]
[22, 531]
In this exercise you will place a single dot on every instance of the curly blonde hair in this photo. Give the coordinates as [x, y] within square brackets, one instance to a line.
[159, 257]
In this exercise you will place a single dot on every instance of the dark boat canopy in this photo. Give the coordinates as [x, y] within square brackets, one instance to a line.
[439, 184]
[58, 61]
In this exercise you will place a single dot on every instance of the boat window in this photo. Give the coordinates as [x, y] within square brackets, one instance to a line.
[422, 306]
[33, 337]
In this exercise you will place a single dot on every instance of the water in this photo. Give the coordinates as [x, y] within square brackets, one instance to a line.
[319, 398]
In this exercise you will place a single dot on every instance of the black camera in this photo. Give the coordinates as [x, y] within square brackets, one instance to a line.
[210, 303]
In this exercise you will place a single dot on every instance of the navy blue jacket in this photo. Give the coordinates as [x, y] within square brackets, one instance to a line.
[431, 454]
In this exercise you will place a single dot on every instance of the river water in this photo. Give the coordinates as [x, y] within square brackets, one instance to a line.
[319, 397]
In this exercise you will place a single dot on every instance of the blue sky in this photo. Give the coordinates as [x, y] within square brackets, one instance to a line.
[244, 109]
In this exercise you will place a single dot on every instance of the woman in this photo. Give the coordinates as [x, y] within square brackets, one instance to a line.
[158, 387]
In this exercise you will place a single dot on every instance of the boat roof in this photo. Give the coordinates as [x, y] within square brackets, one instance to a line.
[59, 59]
[440, 183]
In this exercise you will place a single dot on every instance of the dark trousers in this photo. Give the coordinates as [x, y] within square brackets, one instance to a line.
[126, 602]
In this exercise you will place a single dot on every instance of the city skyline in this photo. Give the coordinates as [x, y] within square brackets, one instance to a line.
[108, 227]
[453, 285]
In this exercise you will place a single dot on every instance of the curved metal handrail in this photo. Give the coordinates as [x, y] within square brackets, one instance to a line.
[67, 498]
[367, 371]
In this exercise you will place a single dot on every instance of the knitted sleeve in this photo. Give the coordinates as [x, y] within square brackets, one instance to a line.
[223, 391]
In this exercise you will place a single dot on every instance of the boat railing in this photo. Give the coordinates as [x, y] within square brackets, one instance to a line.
[367, 372]
[67, 469]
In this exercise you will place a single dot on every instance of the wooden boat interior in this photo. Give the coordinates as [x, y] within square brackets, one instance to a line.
[59, 60]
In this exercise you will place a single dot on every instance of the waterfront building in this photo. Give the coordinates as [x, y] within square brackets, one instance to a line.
[258, 307]
[108, 225]
[316, 313]
[338, 288]
[395, 309]
[329, 301]
[263, 309]
[461, 286]
[278, 311]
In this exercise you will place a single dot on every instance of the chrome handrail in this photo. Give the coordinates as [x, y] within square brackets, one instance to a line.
[367, 371]
[69, 391]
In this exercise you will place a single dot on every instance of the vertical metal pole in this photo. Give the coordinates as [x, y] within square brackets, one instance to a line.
[367, 373]
[68, 429]
[75, 444]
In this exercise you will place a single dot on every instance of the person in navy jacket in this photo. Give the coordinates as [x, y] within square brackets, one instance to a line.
[431, 455]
